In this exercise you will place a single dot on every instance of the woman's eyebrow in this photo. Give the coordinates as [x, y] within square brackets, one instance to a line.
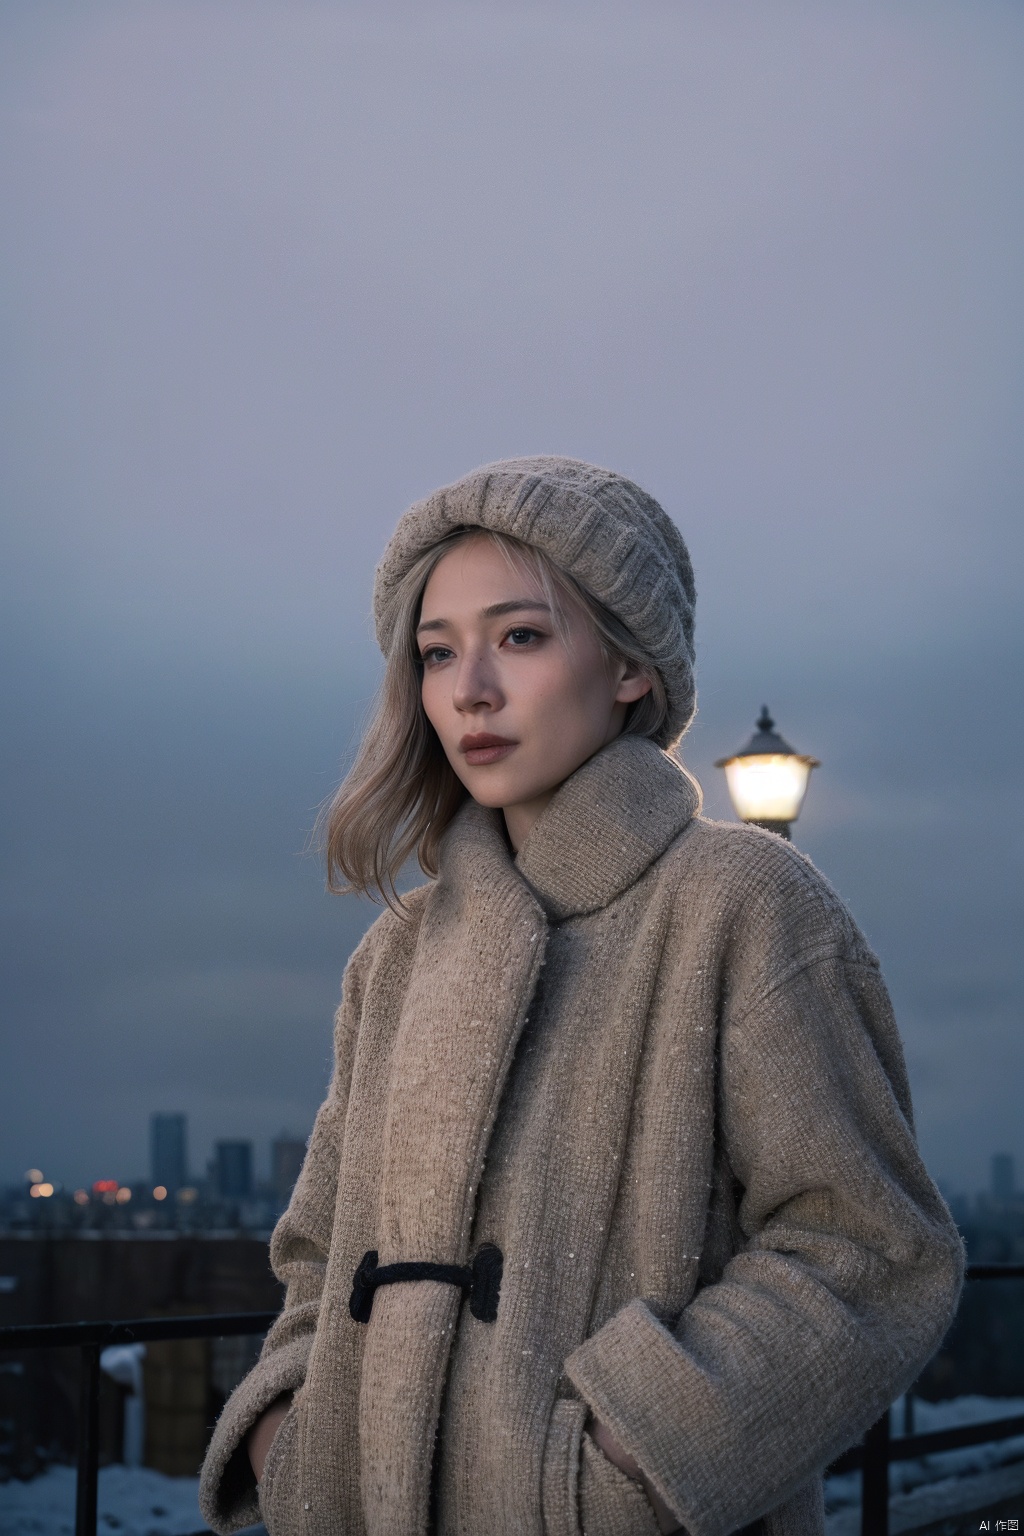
[514, 605]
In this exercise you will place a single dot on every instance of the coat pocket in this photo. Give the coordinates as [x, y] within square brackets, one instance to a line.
[610, 1502]
[560, 1474]
[582, 1492]
[278, 1489]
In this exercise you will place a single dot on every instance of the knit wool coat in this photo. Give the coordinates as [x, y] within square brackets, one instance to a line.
[653, 1060]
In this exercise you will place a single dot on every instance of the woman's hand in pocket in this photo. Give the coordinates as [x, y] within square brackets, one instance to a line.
[260, 1437]
[619, 1457]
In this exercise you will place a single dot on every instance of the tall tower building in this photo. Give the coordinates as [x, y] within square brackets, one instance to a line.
[232, 1169]
[168, 1159]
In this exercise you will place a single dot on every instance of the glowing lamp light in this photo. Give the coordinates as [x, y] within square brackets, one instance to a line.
[81, 1197]
[160, 1193]
[40, 1191]
[34, 1176]
[123, 1195]
[767, 780]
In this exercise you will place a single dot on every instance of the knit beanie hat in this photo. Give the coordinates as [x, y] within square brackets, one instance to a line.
[598, 526]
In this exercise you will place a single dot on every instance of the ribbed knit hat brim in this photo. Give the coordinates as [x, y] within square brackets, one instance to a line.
[603, 529]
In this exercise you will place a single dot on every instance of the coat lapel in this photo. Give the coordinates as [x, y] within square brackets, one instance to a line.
[479, 951]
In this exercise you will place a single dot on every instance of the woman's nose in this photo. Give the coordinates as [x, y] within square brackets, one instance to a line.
[475, 684]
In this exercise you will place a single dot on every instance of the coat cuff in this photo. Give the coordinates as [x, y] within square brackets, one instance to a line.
[628, 1374]
[227, 1487]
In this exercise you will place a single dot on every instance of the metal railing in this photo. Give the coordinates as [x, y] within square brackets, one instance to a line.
[89, 1339]
[879, 1449]
[872, 1458]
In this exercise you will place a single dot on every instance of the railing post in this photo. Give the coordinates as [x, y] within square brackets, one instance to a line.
[88, 1440]
[874, 1505]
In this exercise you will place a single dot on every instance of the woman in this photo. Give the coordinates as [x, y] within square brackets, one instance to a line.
[613, 1220]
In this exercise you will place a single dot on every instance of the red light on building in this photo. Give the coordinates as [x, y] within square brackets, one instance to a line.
[105, 1187]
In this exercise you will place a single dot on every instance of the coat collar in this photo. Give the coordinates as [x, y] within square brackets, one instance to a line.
[606, 826]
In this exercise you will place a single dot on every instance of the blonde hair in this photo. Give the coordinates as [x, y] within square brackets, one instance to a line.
[401, 792]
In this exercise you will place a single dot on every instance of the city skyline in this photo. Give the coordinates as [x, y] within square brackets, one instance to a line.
[232, 1190]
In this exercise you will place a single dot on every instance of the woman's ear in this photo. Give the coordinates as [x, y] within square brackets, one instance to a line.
[634, 682]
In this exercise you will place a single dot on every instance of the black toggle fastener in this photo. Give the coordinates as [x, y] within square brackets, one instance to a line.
[481, 1280]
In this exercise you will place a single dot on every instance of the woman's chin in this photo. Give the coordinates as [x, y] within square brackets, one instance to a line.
[494, 796]
[500, 792]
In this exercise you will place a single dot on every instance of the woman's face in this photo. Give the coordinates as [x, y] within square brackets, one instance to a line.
[517, 708]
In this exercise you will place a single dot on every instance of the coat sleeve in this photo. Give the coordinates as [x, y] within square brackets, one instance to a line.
[299, 1249]
[847, 1267]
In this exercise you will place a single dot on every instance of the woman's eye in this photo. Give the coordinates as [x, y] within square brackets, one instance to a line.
[434, 654]
[522, 635]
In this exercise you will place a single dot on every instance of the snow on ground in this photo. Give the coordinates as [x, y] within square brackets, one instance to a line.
[840, 1492]
[132, 1502]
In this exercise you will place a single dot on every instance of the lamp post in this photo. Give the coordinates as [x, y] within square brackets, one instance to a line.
[767, 780]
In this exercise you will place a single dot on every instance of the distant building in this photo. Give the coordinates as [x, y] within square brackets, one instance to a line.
[286, 1157]
[1002, 1176]
[168, 1157]
[232, 1169]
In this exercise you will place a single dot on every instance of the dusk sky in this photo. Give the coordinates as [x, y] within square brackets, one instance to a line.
[271, 269]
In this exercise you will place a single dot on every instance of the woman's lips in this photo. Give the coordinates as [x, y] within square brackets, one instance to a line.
[478, 750]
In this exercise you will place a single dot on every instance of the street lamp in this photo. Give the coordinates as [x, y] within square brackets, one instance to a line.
[767, 780]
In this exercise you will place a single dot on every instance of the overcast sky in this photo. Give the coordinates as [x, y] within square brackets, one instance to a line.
[269, 271]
